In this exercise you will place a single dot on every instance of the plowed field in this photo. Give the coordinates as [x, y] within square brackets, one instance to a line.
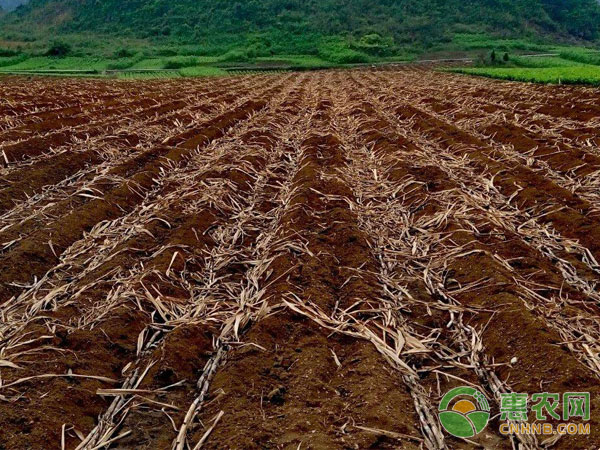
[293, 261]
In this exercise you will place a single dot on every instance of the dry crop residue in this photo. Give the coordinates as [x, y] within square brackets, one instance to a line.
[294, 260]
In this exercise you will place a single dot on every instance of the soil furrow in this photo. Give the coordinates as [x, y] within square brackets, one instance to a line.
[523, 233]
[525, 187]
[452, 250]
[55, 202]
[41, 256]
[386, 196]
[524, 221]
[160, 261]
[298, 387]
[571, 168]
[568, 102]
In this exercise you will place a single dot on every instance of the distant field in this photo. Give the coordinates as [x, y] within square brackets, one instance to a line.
[178, 65]
[558, 75]
[566, 65]
[570, 66]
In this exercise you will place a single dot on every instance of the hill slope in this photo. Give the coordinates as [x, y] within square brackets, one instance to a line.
[10, 5]
[294, 23]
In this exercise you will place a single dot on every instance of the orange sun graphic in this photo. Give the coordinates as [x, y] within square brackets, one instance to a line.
[464, 407]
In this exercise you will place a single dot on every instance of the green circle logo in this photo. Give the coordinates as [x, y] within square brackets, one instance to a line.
[464, 412]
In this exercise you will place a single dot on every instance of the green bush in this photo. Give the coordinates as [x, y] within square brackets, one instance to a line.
[236, 55]
[166, 52]
[258, 50]
[493, 59]
[59, 49]
[203, 50]
[180, 63]
[340, 53]
[6, 52]
[123, 53]
[11, 61]
[376, 45]
[120, 65]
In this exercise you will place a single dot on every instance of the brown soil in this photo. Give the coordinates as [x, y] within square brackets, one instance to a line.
[293, 261]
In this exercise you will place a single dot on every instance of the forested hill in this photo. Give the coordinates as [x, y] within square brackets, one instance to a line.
[9, 5]
[401, 20]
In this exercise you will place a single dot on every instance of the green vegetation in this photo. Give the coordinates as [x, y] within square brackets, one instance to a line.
[4, 52]
[59, 49]
[297, 61]
[349, 30]
[235, 56]
[47, 63]
[427, 21]
[12, 61]
[201, 72]
[124, 53]
[124, 63]
[557, 75]
[180, 62]
[570, 66]
[581, 56]
[198, 34]
[480, 41]
[339, 52]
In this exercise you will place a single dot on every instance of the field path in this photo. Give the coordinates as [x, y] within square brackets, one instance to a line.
[294, 261]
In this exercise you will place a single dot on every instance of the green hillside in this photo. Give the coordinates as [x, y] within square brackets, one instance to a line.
[295, 25]
[192, 35]
[10, 5]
